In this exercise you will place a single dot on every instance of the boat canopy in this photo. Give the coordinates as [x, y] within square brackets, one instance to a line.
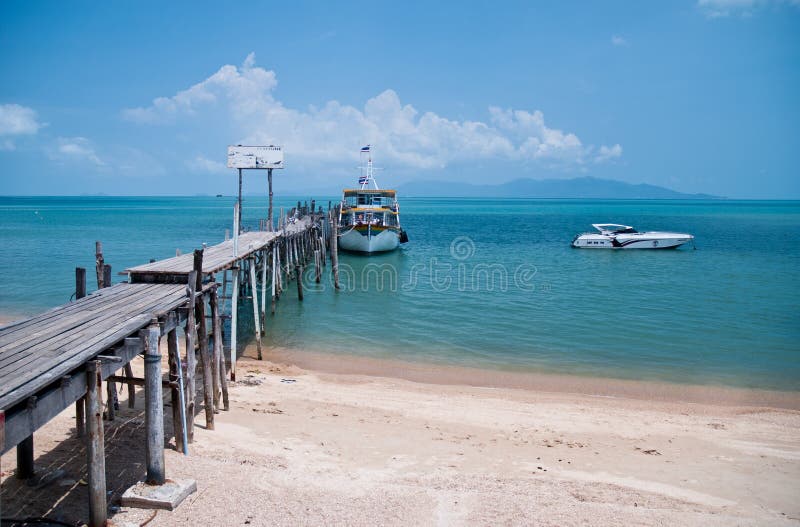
[351, 192]
[366, 198]
[615, 228]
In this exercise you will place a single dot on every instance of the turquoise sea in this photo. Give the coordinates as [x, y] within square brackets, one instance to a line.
[491, 283]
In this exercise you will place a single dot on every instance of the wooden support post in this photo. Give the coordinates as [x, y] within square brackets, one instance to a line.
[263, 289]
[131, 386]
[178, 408]
[220, 375]
[202, 340]
[256, 321]
[98, 259]
[80, 283]
[335, 248]
[234, 319]
[299, 272]
[274, 275]
[80, 292]
[153, 405]
[95, 447]
[106, 275]
[239, 202]
[205, 363]
[25, 468]
[111, 396]
[80, 417]
[317, 269]
[269, 179]
[190, 332]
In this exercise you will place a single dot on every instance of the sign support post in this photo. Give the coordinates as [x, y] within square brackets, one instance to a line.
[239, 226]
[269, 178]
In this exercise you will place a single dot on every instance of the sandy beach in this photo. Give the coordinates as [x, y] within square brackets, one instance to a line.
[315, 447]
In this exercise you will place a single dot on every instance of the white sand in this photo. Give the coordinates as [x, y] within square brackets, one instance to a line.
[332, 449]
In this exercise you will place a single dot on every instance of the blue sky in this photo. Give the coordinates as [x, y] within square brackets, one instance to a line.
[143, 98]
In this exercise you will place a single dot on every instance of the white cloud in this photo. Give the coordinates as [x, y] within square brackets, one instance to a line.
[605, 153]
[75, 149]
[744, 8]
[617, 40]
[203, 164]
[18, 120]
[333, 132]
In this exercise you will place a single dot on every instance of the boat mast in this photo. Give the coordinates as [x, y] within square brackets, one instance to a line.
[370, 171]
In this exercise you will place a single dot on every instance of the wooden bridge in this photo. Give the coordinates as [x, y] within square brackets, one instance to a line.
[61, 357]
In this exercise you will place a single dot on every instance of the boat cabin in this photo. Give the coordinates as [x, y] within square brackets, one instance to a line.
[370, 198]
[376, 207]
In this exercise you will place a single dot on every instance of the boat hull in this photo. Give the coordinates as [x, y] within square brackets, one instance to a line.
[365, 239]
[644, 240]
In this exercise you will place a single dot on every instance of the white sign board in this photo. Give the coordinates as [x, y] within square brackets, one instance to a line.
[255, 156]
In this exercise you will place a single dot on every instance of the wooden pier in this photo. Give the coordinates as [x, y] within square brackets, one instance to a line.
[62, 357]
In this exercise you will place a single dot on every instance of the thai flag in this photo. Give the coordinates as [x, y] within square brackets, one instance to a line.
[363, 180]
[365, 148]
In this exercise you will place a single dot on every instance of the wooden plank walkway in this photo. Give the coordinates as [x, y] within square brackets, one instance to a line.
[40, 350]
[218, 257]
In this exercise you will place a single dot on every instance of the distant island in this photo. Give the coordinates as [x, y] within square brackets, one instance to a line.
[581, 187]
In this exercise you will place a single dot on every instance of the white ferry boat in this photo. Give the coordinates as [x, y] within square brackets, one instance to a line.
[369, 219]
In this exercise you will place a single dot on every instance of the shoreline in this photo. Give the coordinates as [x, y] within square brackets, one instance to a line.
[543, 382]
[315, 447]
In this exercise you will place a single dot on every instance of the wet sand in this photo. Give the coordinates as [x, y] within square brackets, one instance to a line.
[321, 447]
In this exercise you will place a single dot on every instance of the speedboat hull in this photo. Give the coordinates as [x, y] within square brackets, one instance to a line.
[639, 240]
[369, 239]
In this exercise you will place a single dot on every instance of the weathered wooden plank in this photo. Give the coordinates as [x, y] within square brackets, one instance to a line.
[71, 320]
[17, 391]
[90, 348]
[84, 330]
[32, 363]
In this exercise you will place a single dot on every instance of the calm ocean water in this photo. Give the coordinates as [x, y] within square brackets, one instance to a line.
[488, 283]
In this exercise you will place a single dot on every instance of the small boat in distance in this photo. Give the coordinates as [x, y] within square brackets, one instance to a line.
[614, 236]
[369, 219]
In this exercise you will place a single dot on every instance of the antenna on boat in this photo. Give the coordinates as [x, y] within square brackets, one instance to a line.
[369, 175]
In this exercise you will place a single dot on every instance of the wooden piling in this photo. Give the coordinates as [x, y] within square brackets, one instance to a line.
[299, 271]
[131, 387]
[80, 417]
[178, 408]
[153, 405]
[190, 332]
[274, 275]
[80, 283]
[111, 396]
[99, 263]
[95, 447]
[205, 363]
[317, 269]
[335, 248]
[25, 469]
[202, 340]
[234, 319]
[256, 321]
[261, 321]
[218, 359]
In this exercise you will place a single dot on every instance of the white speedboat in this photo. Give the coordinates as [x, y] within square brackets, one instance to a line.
[369, 218]
[614, 236]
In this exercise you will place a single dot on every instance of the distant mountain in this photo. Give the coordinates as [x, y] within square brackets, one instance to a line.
[582, 187]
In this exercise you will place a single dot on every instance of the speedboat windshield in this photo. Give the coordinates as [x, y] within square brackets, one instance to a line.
[614, 228]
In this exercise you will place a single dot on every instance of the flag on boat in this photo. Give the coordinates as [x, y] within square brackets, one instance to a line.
[365, 148]
[363, 180]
